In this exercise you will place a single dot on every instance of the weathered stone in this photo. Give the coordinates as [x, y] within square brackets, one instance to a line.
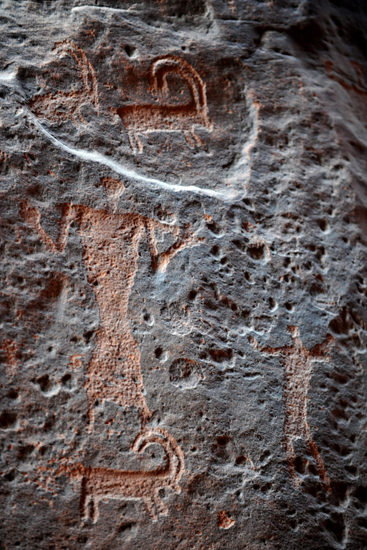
[183, 238]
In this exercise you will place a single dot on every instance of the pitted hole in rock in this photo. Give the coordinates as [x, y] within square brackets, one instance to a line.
[24, 452]
[323, 225]
[316, 289]
[339, 491]
[248, 203]
[241, 460]
[216, 229]
[8, 420]
[126, 527]
[241, 245]
[256, 252]
[312, 469]
[222, 440]
[49, 424]
[12, 393]
[340, 450]
[272, 303]
[185, 373]
[164, 215]
[221, 447]
[43, 450]
[221, 355]
[10, 476]
[130, 50]
[158, 352]
[68, 381]
[335, 525]
[148, 318]
[88, 335]
[192, 294]
[215, 251]
[361, 494]
[45, 383]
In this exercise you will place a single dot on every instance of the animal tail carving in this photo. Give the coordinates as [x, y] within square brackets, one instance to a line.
[172, 64]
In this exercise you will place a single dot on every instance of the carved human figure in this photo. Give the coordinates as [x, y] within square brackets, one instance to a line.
[110, 251]
[297, 361]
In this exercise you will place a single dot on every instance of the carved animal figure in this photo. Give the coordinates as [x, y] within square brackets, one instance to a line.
[62, 105]
[297, 361]
[103, 483]
[143, 119]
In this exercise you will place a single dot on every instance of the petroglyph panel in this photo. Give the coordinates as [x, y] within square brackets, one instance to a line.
[183, 283]
[158, 109]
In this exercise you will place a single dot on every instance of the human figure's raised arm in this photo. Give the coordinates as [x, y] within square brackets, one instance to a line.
[32, 216]
[285, 350]
[318, 352]
[161, 260]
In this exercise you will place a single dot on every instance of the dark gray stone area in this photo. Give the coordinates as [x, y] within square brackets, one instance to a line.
[183, 236]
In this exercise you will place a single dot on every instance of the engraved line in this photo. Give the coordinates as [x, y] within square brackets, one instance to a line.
[122, 170]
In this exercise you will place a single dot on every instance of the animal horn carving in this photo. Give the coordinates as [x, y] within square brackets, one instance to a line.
[63, 105]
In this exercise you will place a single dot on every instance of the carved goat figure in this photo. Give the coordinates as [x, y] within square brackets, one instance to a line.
[65, 105]
[103, 483]
[146, 118]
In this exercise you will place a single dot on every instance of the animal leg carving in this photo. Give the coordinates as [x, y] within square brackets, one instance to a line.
[84, 500]
[160, 506]
[190, 135]
[149, 505]
[189, 139]
[196, 138]
[135, 143]
[93, 510]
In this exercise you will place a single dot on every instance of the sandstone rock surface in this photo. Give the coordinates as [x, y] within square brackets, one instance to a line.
[183, 217]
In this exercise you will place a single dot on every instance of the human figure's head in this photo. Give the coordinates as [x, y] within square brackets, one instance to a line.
[114, 189]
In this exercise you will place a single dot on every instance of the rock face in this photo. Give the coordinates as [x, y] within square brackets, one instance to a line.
[183, 275]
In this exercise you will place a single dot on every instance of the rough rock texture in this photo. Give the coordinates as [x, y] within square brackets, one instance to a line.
[183, 275]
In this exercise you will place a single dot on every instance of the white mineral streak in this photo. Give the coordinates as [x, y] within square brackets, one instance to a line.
[94, 156]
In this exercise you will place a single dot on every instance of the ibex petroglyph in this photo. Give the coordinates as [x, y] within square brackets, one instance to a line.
[103, 483]
[146, 118]
[62, 105]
